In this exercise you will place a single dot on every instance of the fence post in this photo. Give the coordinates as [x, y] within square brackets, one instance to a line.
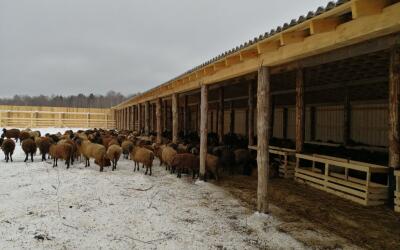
[88, 120]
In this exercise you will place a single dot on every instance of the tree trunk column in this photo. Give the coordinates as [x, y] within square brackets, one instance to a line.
[146, 118]
[250, 118]
[203, 129]
[175, 118]
[299, 111]
[221, 114]
[185, 116]
[158, 118]
[394, 127]
[263, 123]
[140, 122]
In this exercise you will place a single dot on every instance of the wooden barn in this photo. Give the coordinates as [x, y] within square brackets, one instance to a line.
[320, 92]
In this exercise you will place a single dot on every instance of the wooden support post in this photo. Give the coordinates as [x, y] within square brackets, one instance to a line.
[394, 101]
[165, 124]
[158, 118]
[250, 116]
[198, 119]
[263, 117]
[221, 114]
[394, 126]
[203, 129]
[346, 117]
[175, 117]
[88, 120]
[140, 121]
[146, 118]
[232, 118]
[185, 116]
[300, 121]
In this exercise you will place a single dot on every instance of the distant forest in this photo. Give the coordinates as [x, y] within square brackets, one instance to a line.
[112, 98]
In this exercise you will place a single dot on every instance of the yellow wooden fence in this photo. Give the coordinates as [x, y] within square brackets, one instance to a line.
[42, 117]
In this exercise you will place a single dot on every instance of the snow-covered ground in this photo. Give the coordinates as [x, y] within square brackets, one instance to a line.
[81, 208]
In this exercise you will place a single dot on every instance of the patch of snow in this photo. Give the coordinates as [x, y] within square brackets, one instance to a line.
[56, 208]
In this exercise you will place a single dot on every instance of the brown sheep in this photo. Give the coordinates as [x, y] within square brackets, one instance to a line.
[92, 150]
[212, 165]
[35, 134]
[186, 161]
[8, 147]
[144, 156]
[11, 133]
[61, 151]
[75, 152]
[113, 154]
[127, 147]
[243, 160]
[167, 156]
[181, 149]
[43, 143]
[24, 135]
[29, 147]
[113, 142]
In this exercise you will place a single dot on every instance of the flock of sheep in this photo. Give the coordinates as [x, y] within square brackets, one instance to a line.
[106, 147]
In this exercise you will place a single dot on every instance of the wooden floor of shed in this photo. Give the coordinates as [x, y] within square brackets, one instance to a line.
[303, 208]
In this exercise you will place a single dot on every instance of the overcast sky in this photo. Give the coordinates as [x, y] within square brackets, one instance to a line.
[84, 46]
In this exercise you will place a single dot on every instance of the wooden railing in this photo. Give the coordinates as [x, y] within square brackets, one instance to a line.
[42, 117]
[332, 175]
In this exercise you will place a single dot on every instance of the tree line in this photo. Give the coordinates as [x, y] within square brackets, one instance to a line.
[108, 100]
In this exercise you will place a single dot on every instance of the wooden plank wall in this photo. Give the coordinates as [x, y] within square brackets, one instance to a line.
[368, 123]
[42, 117]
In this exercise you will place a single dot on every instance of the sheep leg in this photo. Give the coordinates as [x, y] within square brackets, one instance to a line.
[101, 167]
[6, 157]
[11, 157]
[179, 173]
[26, 157]
[150, 170]
[68, 163]
[32, 157]
[147, 168]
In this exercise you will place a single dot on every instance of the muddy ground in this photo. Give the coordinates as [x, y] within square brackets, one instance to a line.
[303, 208]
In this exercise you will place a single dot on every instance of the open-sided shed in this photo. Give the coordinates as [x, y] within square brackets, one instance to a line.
[323, 89]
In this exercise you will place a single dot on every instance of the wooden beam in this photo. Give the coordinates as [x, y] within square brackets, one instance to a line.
[268, 47]
[300, 111]
[362, 8]
[394, 102]
[175, 118]
[220, 65]
[263, 117]
[231, 60]
[203, 130]
[287, 38]
[221, 114]
[250, 53]
[250, 118]
[322, 25]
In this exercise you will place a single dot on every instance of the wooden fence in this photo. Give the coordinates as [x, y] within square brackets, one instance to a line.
[42, 117]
